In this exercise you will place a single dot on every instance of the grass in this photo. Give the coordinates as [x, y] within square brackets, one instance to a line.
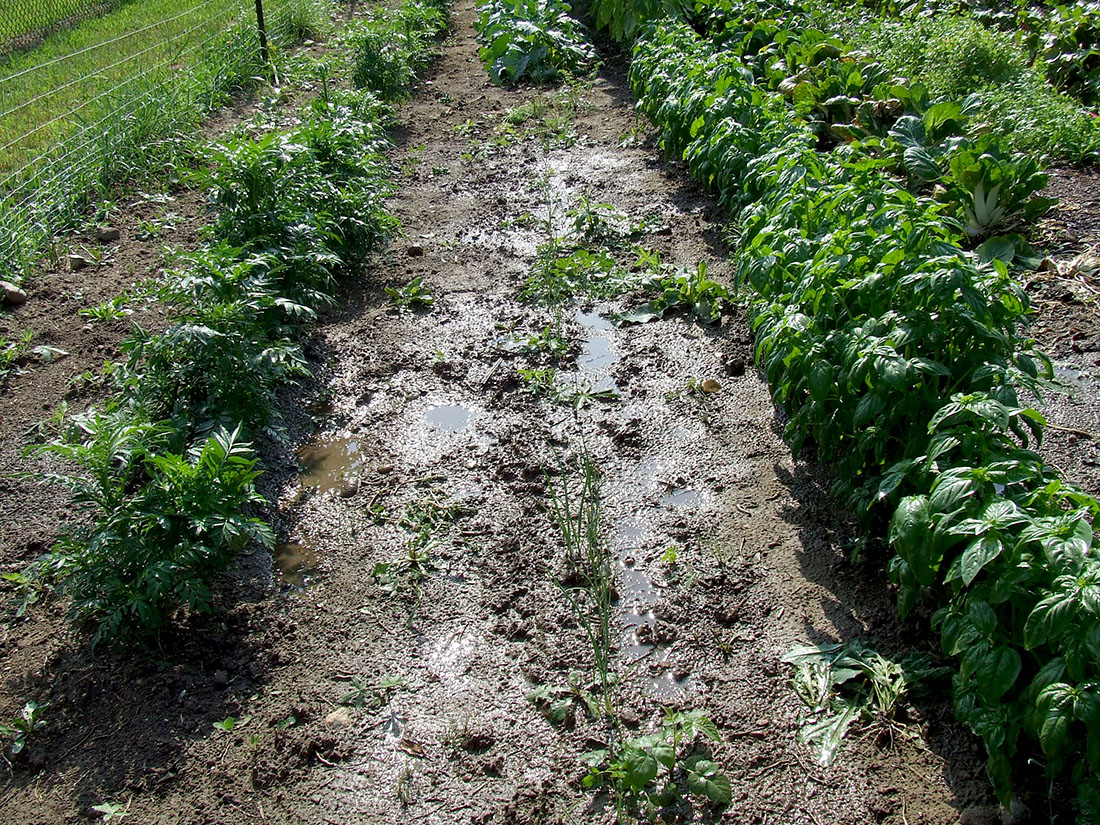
[112, 100]
[589, 588]
[955, 56]
[22, 17]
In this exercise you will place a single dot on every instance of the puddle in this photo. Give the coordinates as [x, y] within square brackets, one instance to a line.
[1069, 376]
[681, 497]
[296, 564]
[635, 589]
[598, 353]
[593, 320]
[327, 464]
[450, 418]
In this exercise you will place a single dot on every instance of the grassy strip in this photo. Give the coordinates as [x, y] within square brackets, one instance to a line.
[955, 56]
[870, 311]
[1059, 39]
[131, 120]
[164, 470]
[19, 18]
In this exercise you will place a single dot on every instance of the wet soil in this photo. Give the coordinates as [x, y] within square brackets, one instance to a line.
[379, 670]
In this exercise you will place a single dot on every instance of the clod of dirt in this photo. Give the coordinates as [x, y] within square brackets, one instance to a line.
[107, 234]
[12, 294]
[339, 718]
[736, 367]
[349, 488]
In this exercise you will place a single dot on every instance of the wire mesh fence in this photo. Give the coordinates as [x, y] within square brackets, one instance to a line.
[25, 22]
[111, 98]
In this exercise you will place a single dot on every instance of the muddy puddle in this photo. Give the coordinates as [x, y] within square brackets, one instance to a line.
[296, 564]
[330, 462]
[452, 418]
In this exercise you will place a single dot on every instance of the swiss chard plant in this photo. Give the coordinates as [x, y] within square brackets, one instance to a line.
[538, 40]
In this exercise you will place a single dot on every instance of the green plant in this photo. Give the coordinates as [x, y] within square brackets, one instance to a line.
[557, 703]
[230, 723]
[18, 731]
[589, 585]
[112, 811]
[546, 341]
[163, 524]
[540, 382]
[29, 591]
[390, 47]
[681, 289]
[842, 685]
[365, 694]
[109, 310]
[657, 770]
[995, 188]
[13, 352]
[536, 39]
[413, 294]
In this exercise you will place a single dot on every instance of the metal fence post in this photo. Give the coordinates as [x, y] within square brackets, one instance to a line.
[262, 29]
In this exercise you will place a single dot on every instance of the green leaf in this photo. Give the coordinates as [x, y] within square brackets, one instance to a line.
[921, 165]
[997, 672]
[705, 778]
[911, 535]
[977, 555]
[639, 768]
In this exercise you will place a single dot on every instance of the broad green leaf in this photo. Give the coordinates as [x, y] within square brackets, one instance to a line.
[705, 778]
[977, 555]
[639, 768]
[997, 672]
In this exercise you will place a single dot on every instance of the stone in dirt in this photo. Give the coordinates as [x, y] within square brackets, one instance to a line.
[107, 234]
[339, 718]
[12, 294]
[349, 488]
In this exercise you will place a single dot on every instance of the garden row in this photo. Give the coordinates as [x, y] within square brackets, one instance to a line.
[896, 348]
[165, 468]
[891, 331]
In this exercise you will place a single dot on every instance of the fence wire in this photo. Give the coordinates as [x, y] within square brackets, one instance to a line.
[108, 98]
[26, 22]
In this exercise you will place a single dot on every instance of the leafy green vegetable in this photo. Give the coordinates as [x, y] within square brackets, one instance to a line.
[535, 39]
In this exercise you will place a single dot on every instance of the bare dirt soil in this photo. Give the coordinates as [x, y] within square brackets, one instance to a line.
[379, 670]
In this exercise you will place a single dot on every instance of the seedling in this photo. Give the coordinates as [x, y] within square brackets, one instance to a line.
[11, 352]
[556, 703]
[17, 732]
[28, 588]
[589, 587]
[112, 811]
[413, 294]
[539, 382]
[373, 695]
[109, 310]
[686, 289]
[229, 723]
[657, 770]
